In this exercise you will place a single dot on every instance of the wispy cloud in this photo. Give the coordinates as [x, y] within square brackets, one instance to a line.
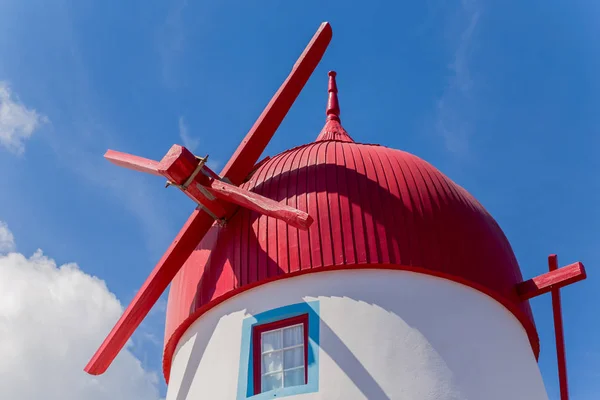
[80, 131]
[188, 141]
[126, 188]
[7, 240]
[171, 42]
[192, 142]
[17, 122]
[456, 107]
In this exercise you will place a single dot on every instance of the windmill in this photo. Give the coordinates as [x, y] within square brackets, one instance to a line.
[366, 256]
[216, 194]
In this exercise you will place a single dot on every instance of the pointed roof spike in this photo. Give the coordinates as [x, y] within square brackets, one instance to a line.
[333, 129]
[333, 106]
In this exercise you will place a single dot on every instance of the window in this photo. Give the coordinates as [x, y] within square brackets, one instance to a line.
[290, 335]
[280, 354]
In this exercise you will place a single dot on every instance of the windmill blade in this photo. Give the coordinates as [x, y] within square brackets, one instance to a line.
[264, 128]
[263, 205]
[130, 161]
[200, 222]
[186, 241]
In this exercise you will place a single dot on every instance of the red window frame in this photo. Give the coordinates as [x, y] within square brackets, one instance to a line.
[257, 331]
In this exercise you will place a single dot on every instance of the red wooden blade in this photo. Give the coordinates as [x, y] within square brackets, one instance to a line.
[263, 205]
[264, 128]
[186, 241]
[555, 279]
[200, 222]
[130, 161]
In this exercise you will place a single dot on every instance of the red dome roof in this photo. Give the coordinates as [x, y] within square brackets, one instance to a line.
[373, 207]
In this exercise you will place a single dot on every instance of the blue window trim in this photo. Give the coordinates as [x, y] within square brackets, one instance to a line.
[246, 369]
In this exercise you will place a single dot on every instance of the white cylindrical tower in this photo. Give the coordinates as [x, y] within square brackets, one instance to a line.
[371, 334]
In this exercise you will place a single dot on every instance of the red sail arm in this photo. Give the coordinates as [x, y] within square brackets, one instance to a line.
[200, 222]
[130, 161]
[561, 358]
[263, 205]
[264, 128]
[186, 241]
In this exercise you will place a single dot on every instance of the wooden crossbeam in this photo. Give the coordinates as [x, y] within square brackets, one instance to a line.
[559, 336]
[135, 163]
[201, 184]
[554, 279]
[260, 204]
[198, 224]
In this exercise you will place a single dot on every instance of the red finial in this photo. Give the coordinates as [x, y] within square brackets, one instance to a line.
[333, 129]
[333, 106]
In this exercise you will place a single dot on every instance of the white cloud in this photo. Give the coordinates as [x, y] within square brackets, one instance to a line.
[188, 141]
[457, 106]
[7, 240]
[17, 122]
[52, 319]
[191, 143]
[171, 42]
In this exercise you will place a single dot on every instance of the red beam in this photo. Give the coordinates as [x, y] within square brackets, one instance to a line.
[264, 128]
[178, 164]
[238, 167]
[260, 204]
[135, 163]
[186, 241]
[554, 279]
[559, 333]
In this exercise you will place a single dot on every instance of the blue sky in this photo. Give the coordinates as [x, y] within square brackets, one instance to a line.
[502, 97]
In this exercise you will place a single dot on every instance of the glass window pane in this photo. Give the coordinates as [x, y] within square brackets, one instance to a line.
[293, 335]
[271, 362]
[270, 382]
[294, 377]
[271, 340]
[293, 357]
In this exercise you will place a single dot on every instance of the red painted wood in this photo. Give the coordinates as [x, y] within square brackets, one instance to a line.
[333, 130]
[292, 242]
[256, 167]
[217, 208]
[396, 219]
[284, 232]
[343, 198]
[561, 357]
[555, 279]
[322, 197]
[335, 218]
[176, 165]
[179, 164]
[274, 225]
[333, 105]
[130, 161]
[263, 229]
[265, 126]
[263, 205]
[258, 330]
[160, 277]
[305, 259]
[314, 237]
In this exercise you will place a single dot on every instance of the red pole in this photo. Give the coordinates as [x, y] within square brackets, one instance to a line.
[558, 334]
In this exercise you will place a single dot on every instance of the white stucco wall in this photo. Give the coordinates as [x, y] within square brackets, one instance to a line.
[383, 335]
